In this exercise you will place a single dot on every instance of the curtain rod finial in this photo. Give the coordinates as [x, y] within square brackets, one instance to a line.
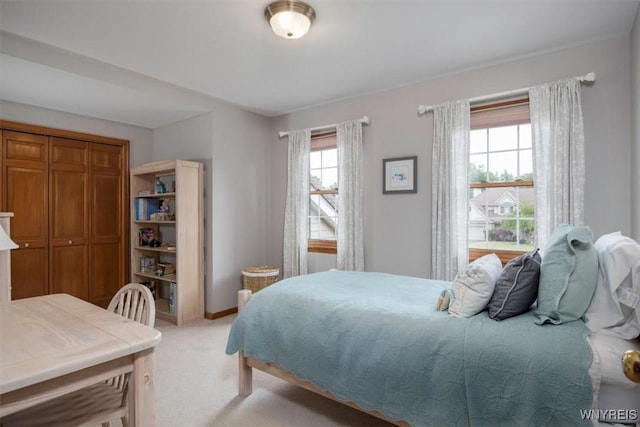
[365, 120]
[589, 77]
[282, 133]
[421, 109]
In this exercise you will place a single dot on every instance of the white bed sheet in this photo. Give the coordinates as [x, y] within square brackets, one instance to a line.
[613, 390]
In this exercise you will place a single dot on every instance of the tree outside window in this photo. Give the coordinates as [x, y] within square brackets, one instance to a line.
[501, 192]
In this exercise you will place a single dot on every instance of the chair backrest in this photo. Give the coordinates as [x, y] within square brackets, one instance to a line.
[134, 301]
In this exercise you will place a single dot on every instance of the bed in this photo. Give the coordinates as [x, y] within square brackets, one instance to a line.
[377, 343]
[537, 342]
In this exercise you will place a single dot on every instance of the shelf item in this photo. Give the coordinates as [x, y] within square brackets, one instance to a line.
[168, 228]
[148, 265]
[154, 222]
[166, 249]
[166, 278]
[145, 207]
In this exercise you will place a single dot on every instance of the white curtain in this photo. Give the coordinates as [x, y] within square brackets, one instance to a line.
[297, 205]
[350, 196]
[450, 189]
[558, 156]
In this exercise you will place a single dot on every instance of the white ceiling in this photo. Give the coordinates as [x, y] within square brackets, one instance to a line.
[154, 62]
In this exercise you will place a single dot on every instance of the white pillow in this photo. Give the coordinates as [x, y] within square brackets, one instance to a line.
[473, 287]
[615, 306]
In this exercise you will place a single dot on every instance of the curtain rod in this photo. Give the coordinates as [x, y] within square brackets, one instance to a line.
[364, 120]
[589, 77]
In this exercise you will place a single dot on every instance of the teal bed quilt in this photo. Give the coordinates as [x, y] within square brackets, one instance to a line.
[377, 340]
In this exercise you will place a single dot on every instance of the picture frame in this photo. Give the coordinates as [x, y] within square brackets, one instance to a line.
[400, 175]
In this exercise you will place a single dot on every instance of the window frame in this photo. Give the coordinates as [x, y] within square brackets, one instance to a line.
[319, 143]
[492, 117]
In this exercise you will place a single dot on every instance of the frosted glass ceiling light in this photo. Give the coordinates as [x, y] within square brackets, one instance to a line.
[290, 19]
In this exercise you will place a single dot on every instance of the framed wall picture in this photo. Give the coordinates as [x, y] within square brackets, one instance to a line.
[400, 175]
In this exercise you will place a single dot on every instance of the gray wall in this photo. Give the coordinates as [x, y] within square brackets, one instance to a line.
[141, 139]
[398, 227]
[635, 127]
[233, 146]
[246, 161]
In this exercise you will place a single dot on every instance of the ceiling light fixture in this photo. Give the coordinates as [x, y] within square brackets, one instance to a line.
[290, 19]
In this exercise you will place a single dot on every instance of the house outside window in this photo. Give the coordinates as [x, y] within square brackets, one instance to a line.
[501, 192]
[323, 193]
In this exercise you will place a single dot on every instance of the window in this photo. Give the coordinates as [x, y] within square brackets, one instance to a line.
[323, 193]
[501, 193]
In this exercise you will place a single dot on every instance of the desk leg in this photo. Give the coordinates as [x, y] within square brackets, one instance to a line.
[142, 395]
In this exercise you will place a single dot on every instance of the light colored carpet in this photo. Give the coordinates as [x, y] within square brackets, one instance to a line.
[196, 386]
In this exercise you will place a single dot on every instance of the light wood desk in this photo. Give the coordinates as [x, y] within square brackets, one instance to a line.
[56, 344]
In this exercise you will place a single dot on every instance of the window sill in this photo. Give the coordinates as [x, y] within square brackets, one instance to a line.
[323, 246]
[505, 256]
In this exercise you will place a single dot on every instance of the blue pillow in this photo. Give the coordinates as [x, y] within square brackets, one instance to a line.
[568, 275]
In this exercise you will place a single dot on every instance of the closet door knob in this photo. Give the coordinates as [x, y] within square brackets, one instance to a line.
[70, 241]
[26, 245]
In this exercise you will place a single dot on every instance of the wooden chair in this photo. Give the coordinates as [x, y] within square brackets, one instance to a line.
[100, 403]
[135, 302]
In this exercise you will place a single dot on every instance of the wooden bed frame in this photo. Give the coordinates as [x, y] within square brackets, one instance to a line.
[245, 377]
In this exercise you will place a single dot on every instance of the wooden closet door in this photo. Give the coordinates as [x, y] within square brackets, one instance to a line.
[106, 243]
[69, 217]
[24, 192]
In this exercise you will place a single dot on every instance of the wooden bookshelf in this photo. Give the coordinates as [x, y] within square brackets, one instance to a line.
[179, 295]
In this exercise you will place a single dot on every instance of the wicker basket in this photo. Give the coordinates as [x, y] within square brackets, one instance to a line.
[259, 277]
